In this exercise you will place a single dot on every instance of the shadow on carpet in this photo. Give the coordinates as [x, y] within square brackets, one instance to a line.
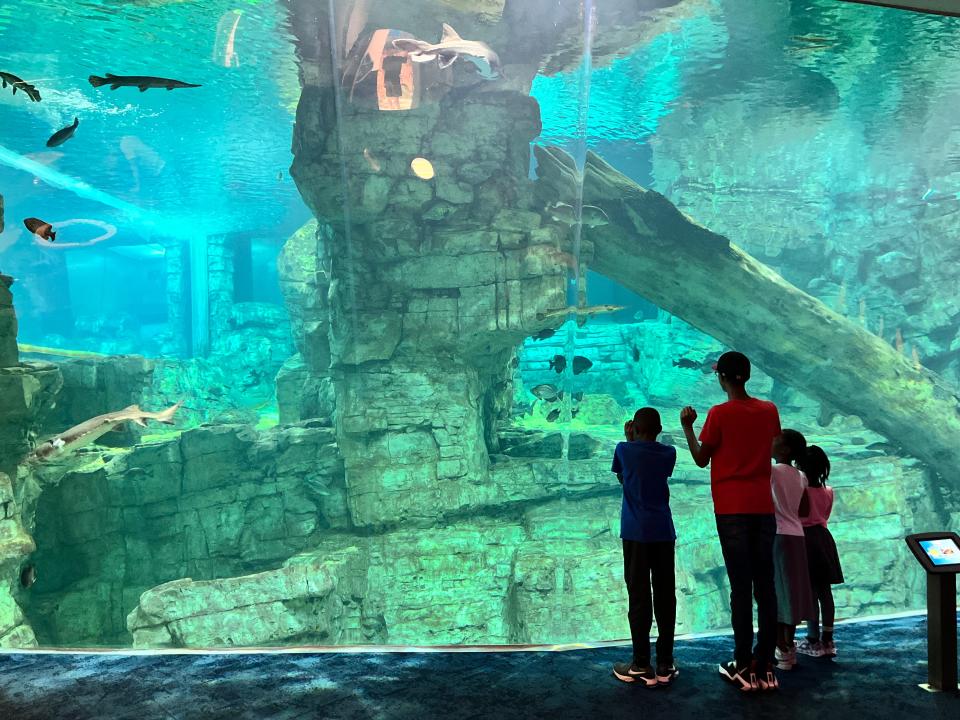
[875, 677]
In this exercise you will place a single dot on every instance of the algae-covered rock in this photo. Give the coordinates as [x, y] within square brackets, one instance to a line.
[298, 603]
[8, 320]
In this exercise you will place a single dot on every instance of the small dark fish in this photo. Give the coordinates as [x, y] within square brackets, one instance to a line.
[574, 412]
[545, 392]
[41, 229]
[578, 396]
[544, 334]
[687, 364]
[280, 176]
[635, 353]
[144, 82]
[559, 363]
[29, 90]
[581, 364]
[515, 362]
[28, 576]
[61, 136]
[602, 532]
[554, 414]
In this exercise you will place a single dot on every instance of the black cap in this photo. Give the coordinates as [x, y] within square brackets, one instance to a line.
[734, 366]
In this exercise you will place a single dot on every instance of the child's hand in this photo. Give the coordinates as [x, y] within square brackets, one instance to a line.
[628, 430]
[688, 416]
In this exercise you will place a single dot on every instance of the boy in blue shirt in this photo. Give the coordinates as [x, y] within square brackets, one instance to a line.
[646, 527]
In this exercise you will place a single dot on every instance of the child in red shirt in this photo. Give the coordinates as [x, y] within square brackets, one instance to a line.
[735, 441]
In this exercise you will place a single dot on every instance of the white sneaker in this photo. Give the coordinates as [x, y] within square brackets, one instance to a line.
[786, 659]
[829, 649]
[811, 649]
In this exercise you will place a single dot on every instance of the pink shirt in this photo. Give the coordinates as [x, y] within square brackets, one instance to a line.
[788, 485]
[821, 503]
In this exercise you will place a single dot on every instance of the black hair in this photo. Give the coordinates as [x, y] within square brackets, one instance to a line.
[816, 466]
[796, 443]
[646, 421]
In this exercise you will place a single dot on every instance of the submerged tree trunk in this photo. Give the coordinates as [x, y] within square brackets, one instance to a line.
[655, 250]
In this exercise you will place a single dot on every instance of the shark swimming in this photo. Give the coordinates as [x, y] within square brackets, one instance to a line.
[451, 48]
[144, 82]
[90, 430]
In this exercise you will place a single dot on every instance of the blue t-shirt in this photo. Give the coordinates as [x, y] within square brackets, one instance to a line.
[645, 467]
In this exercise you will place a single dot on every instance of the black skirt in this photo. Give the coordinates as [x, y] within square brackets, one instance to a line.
[822, 557]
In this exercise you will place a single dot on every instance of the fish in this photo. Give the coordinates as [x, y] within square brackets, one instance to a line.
[578, 396]
[880, 327]
[515, 362]
[581, 364]
[544, 334]
[579, 311]
[451, 48]
[547, 393]
[863, 311]
[574, 412]
[635, 353]
[841, 306]
[553, 415]
[898, 341]
[590, 215]
[29, 90]
[687, 364]
[372, 160]
[61, 136]
[280, 176]
[559, 363]
[90, 430]
[917, 365]
[28, 576]
[144, 82]
[41, 229]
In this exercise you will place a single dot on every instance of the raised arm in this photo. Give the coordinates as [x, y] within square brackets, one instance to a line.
[700, 452]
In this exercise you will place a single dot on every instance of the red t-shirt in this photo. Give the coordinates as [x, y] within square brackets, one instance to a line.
[741, 433]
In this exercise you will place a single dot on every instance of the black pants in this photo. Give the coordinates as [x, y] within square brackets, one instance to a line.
[645, 564]
[747, 543]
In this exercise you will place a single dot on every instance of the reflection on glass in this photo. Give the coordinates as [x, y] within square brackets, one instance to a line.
[404, 269]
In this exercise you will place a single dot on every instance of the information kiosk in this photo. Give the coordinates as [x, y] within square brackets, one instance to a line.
[939, 553]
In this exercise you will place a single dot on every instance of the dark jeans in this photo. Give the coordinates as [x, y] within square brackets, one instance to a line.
[747, 543]
[643, 564]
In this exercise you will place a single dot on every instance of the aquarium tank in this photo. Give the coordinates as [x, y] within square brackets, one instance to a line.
[320, 319]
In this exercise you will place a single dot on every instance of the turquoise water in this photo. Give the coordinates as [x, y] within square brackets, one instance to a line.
[355, 300]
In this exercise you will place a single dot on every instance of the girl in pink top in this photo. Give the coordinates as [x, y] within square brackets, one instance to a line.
[822, 557]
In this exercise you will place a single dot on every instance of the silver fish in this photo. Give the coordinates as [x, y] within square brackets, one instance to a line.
[92, 429]
[547, 393]
[579, 311]
[451, 48]
[590, 215]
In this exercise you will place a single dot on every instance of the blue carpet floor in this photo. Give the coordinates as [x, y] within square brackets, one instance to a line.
[875, 677]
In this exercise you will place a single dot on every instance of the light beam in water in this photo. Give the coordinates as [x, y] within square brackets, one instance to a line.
[60, 180]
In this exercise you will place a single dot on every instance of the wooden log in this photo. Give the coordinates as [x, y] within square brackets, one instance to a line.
[652, 248]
